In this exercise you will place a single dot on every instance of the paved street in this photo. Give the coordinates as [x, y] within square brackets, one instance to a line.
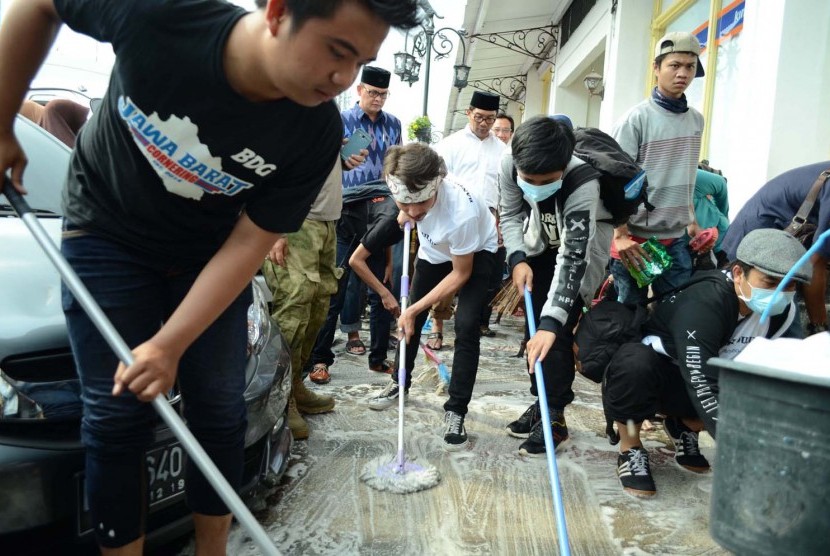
[490, 500]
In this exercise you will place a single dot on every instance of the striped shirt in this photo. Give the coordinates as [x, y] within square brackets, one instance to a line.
[667, 146]
[385, 132]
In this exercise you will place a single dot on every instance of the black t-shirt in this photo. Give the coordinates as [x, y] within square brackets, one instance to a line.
[547, 214]
[383, 228]
[174, 154]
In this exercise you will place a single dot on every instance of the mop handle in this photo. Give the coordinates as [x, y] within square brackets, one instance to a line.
[160, 403]
[556, 489]
[815, 247]
[407, 230]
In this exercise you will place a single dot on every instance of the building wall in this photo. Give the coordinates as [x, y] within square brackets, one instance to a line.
[771, 100]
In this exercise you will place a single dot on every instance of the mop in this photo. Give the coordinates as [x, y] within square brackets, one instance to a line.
[553, 473]
[162, 406]
[396, 473]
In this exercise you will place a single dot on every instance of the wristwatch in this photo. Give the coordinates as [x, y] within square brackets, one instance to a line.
[814, 328]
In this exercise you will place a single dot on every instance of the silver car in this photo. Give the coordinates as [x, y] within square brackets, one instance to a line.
[41, 457]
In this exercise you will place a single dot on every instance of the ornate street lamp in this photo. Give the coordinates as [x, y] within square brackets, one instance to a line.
[424, 43]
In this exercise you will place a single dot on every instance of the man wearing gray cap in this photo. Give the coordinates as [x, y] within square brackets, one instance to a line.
[662, 133]
[716, 314]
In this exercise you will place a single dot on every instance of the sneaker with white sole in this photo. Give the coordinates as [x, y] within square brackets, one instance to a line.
[686, 447]
[388, 397]
[521, 427]
[455, 435]
[634, 472]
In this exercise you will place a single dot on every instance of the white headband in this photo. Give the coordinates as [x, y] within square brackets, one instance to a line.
[403, 195]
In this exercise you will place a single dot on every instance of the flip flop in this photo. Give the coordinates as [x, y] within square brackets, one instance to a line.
[355, 347]
[435, 336]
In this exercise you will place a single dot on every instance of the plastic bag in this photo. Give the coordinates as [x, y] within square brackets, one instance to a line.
[659, 263]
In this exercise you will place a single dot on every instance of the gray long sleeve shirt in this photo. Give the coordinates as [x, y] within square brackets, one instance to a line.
[585, 240]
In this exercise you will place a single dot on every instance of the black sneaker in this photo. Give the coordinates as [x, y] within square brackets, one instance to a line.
[388, 397]
[634, 472]
[455, 435]
[520, 428]
[535, 443]
[686, 448]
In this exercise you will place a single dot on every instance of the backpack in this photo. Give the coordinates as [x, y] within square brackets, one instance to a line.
[622, 183]
[602, 330]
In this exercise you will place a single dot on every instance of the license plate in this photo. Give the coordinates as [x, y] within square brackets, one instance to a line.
[165, 472]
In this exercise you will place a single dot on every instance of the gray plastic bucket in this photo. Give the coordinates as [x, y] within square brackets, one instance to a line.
[771, 485]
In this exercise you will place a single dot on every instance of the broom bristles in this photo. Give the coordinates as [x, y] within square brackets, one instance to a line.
[507, 299]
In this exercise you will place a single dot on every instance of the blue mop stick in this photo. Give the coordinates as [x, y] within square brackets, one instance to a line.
[556, 489]
[788, 276]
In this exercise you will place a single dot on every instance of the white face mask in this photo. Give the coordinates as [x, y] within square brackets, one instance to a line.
[538, 193]
[760, 298]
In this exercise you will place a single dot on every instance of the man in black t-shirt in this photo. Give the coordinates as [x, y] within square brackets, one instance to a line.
[384, 232]
[179, 186]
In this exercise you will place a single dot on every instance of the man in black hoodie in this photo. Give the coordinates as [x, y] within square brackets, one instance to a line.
[716, 315]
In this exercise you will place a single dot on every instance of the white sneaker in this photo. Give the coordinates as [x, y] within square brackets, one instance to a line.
[387, 398]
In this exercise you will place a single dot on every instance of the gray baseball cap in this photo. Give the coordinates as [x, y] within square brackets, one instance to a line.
[774, 252]
[679, 41]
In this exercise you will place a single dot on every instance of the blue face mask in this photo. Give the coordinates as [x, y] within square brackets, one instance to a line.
[538, 193]
[760, 298]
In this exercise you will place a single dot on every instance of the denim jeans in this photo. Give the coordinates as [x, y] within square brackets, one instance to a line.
[675, 277]
[138, 293]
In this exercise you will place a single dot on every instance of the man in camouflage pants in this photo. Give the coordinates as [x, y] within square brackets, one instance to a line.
[301, 273]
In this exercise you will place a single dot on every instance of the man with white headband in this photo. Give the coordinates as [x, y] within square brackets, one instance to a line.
[458, 244]
[717, 314]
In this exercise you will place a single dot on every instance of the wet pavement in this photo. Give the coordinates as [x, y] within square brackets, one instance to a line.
[490, 499]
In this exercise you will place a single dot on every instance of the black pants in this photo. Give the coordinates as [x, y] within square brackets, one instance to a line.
[494, 286]
[640, 382]
[471, 298]
[558, 366]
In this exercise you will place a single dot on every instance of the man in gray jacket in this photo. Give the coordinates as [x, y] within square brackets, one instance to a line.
[557, 247]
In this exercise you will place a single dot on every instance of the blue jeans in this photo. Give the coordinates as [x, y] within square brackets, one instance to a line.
[138, 293]
[675, 277]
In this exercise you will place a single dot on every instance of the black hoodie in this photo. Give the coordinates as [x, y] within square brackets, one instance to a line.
[693, 324]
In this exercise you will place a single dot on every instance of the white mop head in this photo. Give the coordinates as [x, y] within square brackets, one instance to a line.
[383, 473]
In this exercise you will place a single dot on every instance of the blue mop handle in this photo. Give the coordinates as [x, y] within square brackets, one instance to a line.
[556, 489]
[788, 276]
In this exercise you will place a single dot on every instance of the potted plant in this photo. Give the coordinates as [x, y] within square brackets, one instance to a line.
[421, 129]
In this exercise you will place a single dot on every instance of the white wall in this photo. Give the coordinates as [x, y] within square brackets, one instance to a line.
[781, 101]
[627, 62]
[584, 47]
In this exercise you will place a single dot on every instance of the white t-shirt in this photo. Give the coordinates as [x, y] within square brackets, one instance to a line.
[458, 224]
[474, 163]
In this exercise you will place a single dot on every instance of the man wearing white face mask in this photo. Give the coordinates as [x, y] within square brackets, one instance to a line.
[557, 246]
[716, 314]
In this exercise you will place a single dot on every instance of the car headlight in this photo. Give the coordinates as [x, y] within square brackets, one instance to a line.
[259, 322]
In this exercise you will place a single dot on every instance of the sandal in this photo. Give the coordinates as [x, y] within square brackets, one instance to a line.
[487, 332]
[435, 345]
[382, 367]
[355, 347]
[320, 374]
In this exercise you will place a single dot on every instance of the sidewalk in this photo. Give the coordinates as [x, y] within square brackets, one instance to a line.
[490, 499]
